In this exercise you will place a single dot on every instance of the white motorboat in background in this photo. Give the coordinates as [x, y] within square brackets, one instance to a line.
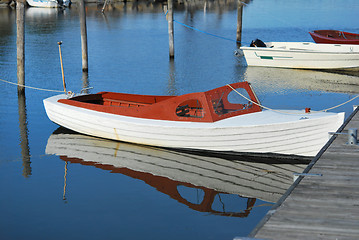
[304, 55]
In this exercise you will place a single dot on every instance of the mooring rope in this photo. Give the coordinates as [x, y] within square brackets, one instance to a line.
[260, 105]
[201, 31]
[36, 88]
[224, 38]
[248, 99]
[324, 110]
[211, 34]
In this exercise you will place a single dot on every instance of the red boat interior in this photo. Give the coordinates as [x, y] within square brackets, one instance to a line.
[334, 37]
[338, 34]
[209, 106]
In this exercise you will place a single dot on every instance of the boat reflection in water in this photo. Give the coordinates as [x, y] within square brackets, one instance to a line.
[265, 79]
[41, 14]
[171, 171]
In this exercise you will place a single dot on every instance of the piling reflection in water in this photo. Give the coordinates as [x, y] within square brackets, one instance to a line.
[191, 7]
[24, 141]
[6, 19]
[172, 90]
[170, 171]
[85, 82]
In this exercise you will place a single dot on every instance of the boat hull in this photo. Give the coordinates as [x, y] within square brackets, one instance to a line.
[303, 56]
[296, 133]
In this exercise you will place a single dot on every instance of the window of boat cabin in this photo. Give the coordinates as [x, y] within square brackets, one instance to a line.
[235, 101]
[191, 108]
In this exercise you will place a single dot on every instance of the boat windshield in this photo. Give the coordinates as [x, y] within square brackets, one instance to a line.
[233, 101]
[191, 108]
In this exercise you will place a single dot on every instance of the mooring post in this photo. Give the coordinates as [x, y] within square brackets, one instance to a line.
[62, 67]
[104, 6]
[83, 35]
[170, 28]
[20, 43]
[239, 23]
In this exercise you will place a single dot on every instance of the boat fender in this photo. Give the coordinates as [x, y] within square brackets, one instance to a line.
[257, 43]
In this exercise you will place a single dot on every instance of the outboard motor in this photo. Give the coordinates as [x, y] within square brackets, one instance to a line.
[64, 3]
[258, 43]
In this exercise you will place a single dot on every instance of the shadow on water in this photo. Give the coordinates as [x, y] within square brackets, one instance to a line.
[350, 72]
[24, 141]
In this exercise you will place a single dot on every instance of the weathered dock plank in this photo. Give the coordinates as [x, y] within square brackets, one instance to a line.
[324, 205]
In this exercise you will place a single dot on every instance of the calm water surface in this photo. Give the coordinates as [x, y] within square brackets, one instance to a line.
[56, 184]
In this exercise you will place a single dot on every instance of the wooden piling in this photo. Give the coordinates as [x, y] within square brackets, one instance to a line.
[62, 67]
[239, 23]
[104, 6]
[20, 43]
[83, 35]
[170, 28]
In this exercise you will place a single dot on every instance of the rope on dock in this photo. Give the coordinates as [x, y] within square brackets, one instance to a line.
[36, 88]
[260, 105]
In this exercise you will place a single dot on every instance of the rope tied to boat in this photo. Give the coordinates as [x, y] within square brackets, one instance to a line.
[324, 110]
[36, 88]
[260, 105]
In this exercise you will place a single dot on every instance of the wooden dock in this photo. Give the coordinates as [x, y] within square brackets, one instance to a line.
[324, 204]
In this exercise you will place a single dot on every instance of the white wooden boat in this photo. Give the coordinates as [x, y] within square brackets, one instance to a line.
[49, 3]
[206, 121]
[304, 55]
[264, 177]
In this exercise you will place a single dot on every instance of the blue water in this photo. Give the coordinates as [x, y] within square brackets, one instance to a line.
[43, 196]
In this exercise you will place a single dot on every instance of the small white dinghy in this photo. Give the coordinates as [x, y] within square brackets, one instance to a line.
[207, 121]
[304, 55]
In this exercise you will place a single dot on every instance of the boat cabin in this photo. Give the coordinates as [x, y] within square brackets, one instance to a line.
[210, 106]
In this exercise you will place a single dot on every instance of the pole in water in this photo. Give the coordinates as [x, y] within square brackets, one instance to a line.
[239, 23]
[83, 27]
[104, 6]
[20, 44]
[170, 28]
[62, 67]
